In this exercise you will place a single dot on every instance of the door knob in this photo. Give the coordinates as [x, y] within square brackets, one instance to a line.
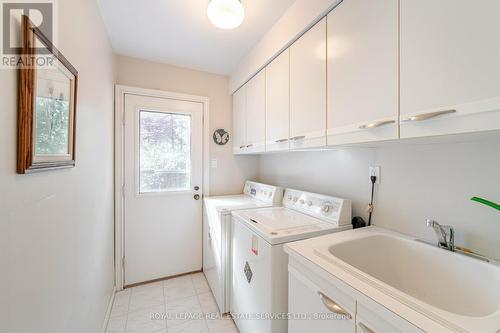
[196, 197]
[196, 188]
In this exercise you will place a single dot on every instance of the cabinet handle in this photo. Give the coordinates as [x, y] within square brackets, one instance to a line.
[429, 115]
[332, 306]
[365, 329]
[250, 145]
[296, 138]
[377, 124]
[281, 140]
[241, 147]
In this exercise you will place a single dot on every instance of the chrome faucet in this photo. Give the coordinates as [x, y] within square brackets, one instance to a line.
[445, 234]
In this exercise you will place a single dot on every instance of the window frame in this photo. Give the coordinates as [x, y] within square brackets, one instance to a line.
[137, 152]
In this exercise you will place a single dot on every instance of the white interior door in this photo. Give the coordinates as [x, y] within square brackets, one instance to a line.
[163, 168]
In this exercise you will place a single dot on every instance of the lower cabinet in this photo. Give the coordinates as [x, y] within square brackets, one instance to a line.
[321, 306]
[376, 319]
[314, 309]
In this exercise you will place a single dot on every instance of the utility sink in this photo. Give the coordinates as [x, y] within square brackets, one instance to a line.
[434, 289]
[442, 279]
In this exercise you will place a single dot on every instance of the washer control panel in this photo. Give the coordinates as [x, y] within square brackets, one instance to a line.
[263, 192]
[327, 208]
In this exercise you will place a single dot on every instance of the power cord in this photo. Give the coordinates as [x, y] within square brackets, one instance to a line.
[370, 206]
[358, 221]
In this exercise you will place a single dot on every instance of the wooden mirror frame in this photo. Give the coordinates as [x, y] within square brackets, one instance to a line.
[26, 104]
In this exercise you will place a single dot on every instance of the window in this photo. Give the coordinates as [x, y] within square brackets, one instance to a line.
[164, 152]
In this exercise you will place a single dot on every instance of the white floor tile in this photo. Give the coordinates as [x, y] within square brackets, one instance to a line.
[117, 324]
[200, 283]
[147, 296]
[183, 310]
[179, 305]
[207, 303]
[180, 287]
[121, 303]
[225, 325]
[193, 326]
[146, 321]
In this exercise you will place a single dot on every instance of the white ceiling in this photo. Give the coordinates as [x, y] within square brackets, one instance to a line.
[178, 32]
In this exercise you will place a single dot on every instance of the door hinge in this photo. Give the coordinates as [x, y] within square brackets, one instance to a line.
[123, 190]
[123, 262]
[123, 118]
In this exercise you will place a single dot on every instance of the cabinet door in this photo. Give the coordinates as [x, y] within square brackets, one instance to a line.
[450, 72]
[239, 121]
[310, 308]
[377, 319]
[256, 113]
[308, 88]
[363, 71]
[278, 102]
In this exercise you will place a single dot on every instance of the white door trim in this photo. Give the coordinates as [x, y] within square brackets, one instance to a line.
[120, 92]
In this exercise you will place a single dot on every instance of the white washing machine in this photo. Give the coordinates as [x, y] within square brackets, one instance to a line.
[217, 233]
[259, 286]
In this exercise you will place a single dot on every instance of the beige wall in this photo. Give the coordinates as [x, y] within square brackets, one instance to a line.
[418, 181]
[56, 228]
[232, 170]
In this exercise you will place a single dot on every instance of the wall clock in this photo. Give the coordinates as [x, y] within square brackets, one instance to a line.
[221, 137]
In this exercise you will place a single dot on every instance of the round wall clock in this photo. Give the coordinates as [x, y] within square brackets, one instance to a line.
[221, 137]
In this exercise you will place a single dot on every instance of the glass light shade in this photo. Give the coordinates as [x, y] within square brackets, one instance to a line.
[225, 14]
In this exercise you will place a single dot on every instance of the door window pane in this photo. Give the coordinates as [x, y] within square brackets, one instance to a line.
[165, 152]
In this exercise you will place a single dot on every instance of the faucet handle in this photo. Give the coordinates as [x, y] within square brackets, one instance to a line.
[432, 223]
[444, 233]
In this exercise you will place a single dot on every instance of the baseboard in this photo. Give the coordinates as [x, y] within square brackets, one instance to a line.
[108, 312]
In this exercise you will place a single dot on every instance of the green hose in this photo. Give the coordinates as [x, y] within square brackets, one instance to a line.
[486, 202]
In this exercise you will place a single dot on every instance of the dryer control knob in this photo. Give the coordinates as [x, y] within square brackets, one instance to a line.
[326, 208]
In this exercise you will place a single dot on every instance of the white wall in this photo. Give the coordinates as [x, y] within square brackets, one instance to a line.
[419, 181]
[232, 170]
[56, 228]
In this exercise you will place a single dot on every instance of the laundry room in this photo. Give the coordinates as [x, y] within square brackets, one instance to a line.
[250, 166]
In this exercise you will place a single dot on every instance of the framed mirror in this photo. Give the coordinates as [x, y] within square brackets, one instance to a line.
[47, 104]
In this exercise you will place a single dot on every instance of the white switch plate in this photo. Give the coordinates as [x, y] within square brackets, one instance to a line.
[374, 171]
[213, 163]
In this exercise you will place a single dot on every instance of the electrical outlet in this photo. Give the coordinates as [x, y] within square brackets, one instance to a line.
[374, 171]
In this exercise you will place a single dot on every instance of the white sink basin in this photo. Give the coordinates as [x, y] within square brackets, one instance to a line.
[436, 290]
[448, 281]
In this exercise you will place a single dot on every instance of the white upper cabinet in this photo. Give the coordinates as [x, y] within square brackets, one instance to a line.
[256, 113]
[363, 71]
[308, 88]
[278, 103]
[239, 121]
[450, 66]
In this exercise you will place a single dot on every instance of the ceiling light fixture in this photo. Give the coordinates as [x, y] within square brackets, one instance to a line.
[225, 14]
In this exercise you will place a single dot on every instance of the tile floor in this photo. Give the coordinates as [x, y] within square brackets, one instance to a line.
[184, 304]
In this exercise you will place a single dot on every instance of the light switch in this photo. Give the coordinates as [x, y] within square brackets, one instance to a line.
[213, 163]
